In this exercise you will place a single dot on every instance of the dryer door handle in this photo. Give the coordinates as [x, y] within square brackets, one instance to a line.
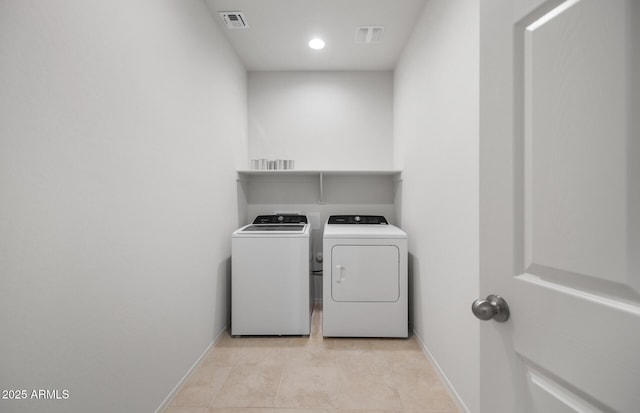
[341, 278]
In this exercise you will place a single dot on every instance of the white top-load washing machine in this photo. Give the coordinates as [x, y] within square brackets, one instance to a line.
[365, 278]
[270, 277]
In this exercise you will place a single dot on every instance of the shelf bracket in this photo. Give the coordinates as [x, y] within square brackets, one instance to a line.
[321, 200]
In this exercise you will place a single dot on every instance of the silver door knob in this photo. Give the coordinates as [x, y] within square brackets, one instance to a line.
[494, 307]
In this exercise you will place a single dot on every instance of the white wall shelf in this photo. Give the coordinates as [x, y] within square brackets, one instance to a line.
[381, 172]
[246, 174]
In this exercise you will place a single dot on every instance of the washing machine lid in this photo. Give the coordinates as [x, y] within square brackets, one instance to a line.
[281, 225]
[272, 231]
[290, 228]
[361, 231]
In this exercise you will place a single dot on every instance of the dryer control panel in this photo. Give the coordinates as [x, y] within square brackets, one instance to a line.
[358, 219]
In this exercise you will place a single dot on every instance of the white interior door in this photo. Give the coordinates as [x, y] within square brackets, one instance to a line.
[560, 204]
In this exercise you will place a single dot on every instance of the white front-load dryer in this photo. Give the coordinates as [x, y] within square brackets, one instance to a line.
[365, 278]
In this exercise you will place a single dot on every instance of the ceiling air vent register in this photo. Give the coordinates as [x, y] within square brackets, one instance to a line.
[234, 19]
[369, 34]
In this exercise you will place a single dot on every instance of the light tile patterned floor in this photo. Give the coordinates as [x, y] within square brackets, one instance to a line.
[313, 375]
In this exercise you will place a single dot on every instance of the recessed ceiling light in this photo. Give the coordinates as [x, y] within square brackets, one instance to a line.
[316, 44]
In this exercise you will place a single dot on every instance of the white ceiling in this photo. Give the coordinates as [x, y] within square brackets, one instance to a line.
[279, 31]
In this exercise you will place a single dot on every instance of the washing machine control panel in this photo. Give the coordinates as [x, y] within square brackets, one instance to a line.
[281, 219]
[358, 219]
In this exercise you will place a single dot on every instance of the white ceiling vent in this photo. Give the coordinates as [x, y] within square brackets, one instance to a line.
[369, 34]
[234, 19]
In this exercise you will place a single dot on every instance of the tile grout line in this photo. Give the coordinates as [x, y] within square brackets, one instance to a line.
[233, 365]
[213, 399]
[275, 397]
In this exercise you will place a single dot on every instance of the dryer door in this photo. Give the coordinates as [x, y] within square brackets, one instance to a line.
[365, 273]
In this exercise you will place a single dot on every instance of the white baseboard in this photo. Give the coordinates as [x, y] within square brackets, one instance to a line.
[165, 403]
[452, 391]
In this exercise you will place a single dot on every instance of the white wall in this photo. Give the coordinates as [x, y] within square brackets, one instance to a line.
[322, 120]
[436, 131]
[121, 126]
